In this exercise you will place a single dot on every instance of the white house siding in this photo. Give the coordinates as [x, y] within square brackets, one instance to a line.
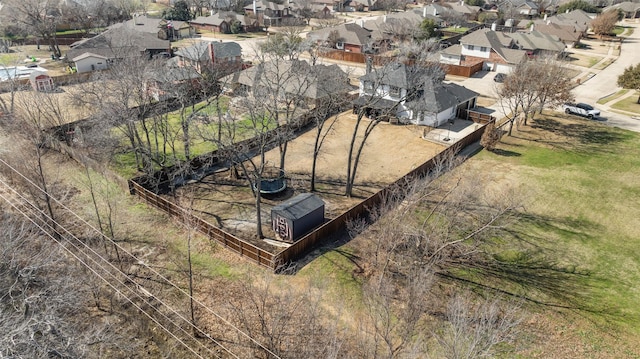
[477, 51]
[448, 59]
[429, 119]
[91, 64]
[503, 68]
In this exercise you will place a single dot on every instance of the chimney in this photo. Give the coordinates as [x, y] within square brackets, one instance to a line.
[369, 65]
[461, 2]
[211, 53]
[545, 17]
[361, 23]
[494, 26]
[384, 18]
[211, 12]
[532, 27]
[567, 11]
[424, 11]
[255, 12]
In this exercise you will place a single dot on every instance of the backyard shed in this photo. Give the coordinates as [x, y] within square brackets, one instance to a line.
[296, 217]
[41, 81]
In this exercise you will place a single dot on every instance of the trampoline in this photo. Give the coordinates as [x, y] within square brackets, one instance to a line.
[274, 183]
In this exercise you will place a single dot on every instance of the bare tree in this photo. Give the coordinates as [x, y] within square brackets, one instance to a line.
[533, 85]
[604, 23]
[290, 324]
[39, 18]
[474, 330]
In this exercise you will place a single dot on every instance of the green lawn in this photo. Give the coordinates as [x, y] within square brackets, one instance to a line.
[460, 30]
[201, 135]
[616, 95]
[583, 182]
[628, 104]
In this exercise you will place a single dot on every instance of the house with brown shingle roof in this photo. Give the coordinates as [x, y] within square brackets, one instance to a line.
[565, 33]
[222, 22]
[348, 37]
[494, 49]
[538, 44]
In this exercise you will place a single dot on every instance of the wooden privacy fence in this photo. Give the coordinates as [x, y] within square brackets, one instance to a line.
[475, 116]
[354, 57]
[466, 71]
[369, 205]
[309, 242]
[245, 249]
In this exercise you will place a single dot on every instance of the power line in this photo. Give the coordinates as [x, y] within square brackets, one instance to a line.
[31, 205]
[118, 291]
[225, 321]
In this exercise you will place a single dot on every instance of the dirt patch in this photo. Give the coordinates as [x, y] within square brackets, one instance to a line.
[391, 151]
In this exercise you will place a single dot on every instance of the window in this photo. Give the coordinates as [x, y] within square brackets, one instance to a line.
[470, 47]
[483, 49]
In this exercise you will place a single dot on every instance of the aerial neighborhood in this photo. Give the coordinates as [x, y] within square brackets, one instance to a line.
[319, 178]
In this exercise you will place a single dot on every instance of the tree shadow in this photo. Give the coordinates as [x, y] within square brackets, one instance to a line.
[505, 153]
[586, 136]
[537, 271]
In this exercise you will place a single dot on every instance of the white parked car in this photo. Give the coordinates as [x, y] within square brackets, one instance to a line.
[581, 109]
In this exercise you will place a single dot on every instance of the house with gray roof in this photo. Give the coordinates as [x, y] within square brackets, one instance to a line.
[537, 43]
[565, 33]
[269, 13]
[313, 83]
[348, 37]
[495, 50]
[579, 19]
[223, 21]
[225, 56]
[630, 9]
[164, 29]
[117, 43]
[413, 94]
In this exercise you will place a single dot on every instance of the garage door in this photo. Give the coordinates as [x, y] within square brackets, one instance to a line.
[505, 69]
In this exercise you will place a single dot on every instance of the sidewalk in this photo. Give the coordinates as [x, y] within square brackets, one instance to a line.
[607, 106]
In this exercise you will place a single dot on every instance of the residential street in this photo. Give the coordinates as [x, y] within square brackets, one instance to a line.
[604, 83]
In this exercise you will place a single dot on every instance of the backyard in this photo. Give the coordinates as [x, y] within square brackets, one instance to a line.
[391, 152]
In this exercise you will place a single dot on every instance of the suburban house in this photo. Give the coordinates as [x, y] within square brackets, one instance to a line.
[580, 20]
[223, 22]
[164, 29]
[312, 84]
[319, 8]
[225, 56]
[525, 7]
[41, 82]
[630, 9]
[348, 37]
[434, 9]
[269, 13]
[412, 94]
[494, 49]
[538, 44]
[117, 43]
[467, 11]
[173, 82]
[565, 33]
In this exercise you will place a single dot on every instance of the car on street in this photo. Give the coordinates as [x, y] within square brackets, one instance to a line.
[581, 109]
[499, 77]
